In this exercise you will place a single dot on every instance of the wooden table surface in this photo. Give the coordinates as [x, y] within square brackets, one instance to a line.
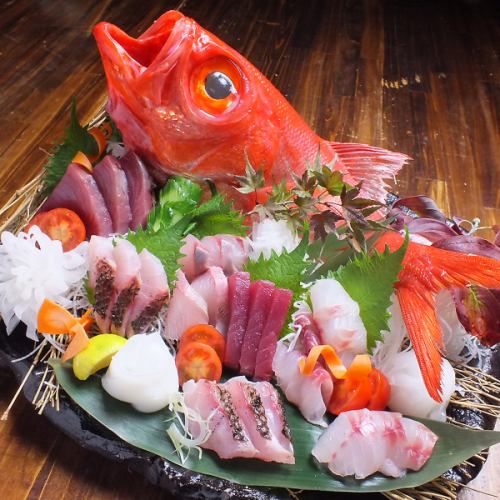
[421, 77]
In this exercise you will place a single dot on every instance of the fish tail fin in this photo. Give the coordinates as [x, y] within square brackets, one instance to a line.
[466, 269]
[418, 312]
[369, 164]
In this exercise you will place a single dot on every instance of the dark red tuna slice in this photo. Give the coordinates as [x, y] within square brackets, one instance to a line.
[139, 189]
[261, 293]
[276, 318]
[78, 191]
[112, 182]
[239, 297]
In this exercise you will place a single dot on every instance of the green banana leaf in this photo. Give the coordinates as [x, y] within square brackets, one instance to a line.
[147, 432]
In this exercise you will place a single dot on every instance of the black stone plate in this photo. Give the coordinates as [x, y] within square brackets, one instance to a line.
[180, 482]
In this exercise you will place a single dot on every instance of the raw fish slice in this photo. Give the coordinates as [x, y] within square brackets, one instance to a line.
[139, 189]
[229, 437]
[278, 313]
[239, 297]
[212, 286]
[78, 191]
[112, 182]
[187, 308]
[234, 252]
[260, 302]
[260, 410]
[153, 295]
[309, 334]
[102, 272]
[127, 282]
[310, 393]
[362, 442]
[187, 260]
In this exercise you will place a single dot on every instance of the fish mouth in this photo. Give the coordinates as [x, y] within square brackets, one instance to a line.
[120, 50]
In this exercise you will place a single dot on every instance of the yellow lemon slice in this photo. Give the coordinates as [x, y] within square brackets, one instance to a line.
[97, 355]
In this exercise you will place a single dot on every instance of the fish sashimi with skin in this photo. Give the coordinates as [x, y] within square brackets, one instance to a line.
[361, 442]
[140, 189]
[239, 298]
[261, 293]
[310, 393]
[212, 286]
[191, 105]
[426, 271]
[102, 273]
[152, 296]
[186, 308]
[278, 313]
[245, 419]
[77, 190]
[112, 183]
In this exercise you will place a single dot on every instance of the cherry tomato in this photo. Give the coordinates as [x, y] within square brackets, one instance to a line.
[61, 224]
[381, 390]
[205, 334]
[197, 361]
[350, 394]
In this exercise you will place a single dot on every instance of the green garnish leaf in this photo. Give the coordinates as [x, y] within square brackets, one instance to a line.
[284, 270]
[76, 139]
[369, 280]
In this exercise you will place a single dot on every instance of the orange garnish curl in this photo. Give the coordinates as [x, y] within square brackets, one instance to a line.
[333, 362]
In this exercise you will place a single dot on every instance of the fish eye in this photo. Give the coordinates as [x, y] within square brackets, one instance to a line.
[218, 85]
[215, 85]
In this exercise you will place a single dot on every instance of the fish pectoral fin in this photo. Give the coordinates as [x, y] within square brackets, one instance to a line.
[418, 312]
[369, 164]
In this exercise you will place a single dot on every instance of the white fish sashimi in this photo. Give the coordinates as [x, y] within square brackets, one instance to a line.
[187, 308]
[310, 393]
[143, 373]
[361, 442]
[258, 407]
[405, 377]
[229, 437]
[337, 317]
[212, 286]
[245, 419]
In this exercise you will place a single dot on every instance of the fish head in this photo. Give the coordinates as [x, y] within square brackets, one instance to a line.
[188, 102]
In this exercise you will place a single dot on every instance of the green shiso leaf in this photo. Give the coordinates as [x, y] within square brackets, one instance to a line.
[285, 270]
[147, 432]
[369, 280]
[76, 139]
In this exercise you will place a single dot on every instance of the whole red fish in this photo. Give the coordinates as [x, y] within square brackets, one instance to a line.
[192, 105]
[426, 271]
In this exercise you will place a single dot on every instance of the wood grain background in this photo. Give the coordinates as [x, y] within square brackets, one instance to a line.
[421, 77]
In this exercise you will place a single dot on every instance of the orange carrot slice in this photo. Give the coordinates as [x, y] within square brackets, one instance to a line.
[79, 342]
[361, 366]
[54, 319]
[83, 160]
[100, 139]
[333, 362]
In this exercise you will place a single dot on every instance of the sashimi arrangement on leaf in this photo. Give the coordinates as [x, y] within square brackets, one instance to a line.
[248, 297]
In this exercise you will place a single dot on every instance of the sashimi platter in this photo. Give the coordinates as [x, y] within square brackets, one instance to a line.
[219, 290]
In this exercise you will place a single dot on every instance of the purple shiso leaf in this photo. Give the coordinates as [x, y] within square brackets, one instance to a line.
[469, 244]
[496, 241]
[422, 206]
[432, 229]
[478, 310]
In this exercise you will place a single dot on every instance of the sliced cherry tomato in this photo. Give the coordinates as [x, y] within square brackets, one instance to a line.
[206, 334]
[350, 394]
[61, 224]
[381, 390]
[197, 361]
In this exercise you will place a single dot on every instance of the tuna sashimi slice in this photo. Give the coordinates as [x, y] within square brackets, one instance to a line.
[102, 273]
[259, 408]
[362, 442]
[139, 189]
[261, 293]
[239, 297]
[310, 393]
[152, 296]
[127, 282]
[212, 286]
[275, 321]
[187, 308]
[112, 182]
[78, 191]
[229, 437]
